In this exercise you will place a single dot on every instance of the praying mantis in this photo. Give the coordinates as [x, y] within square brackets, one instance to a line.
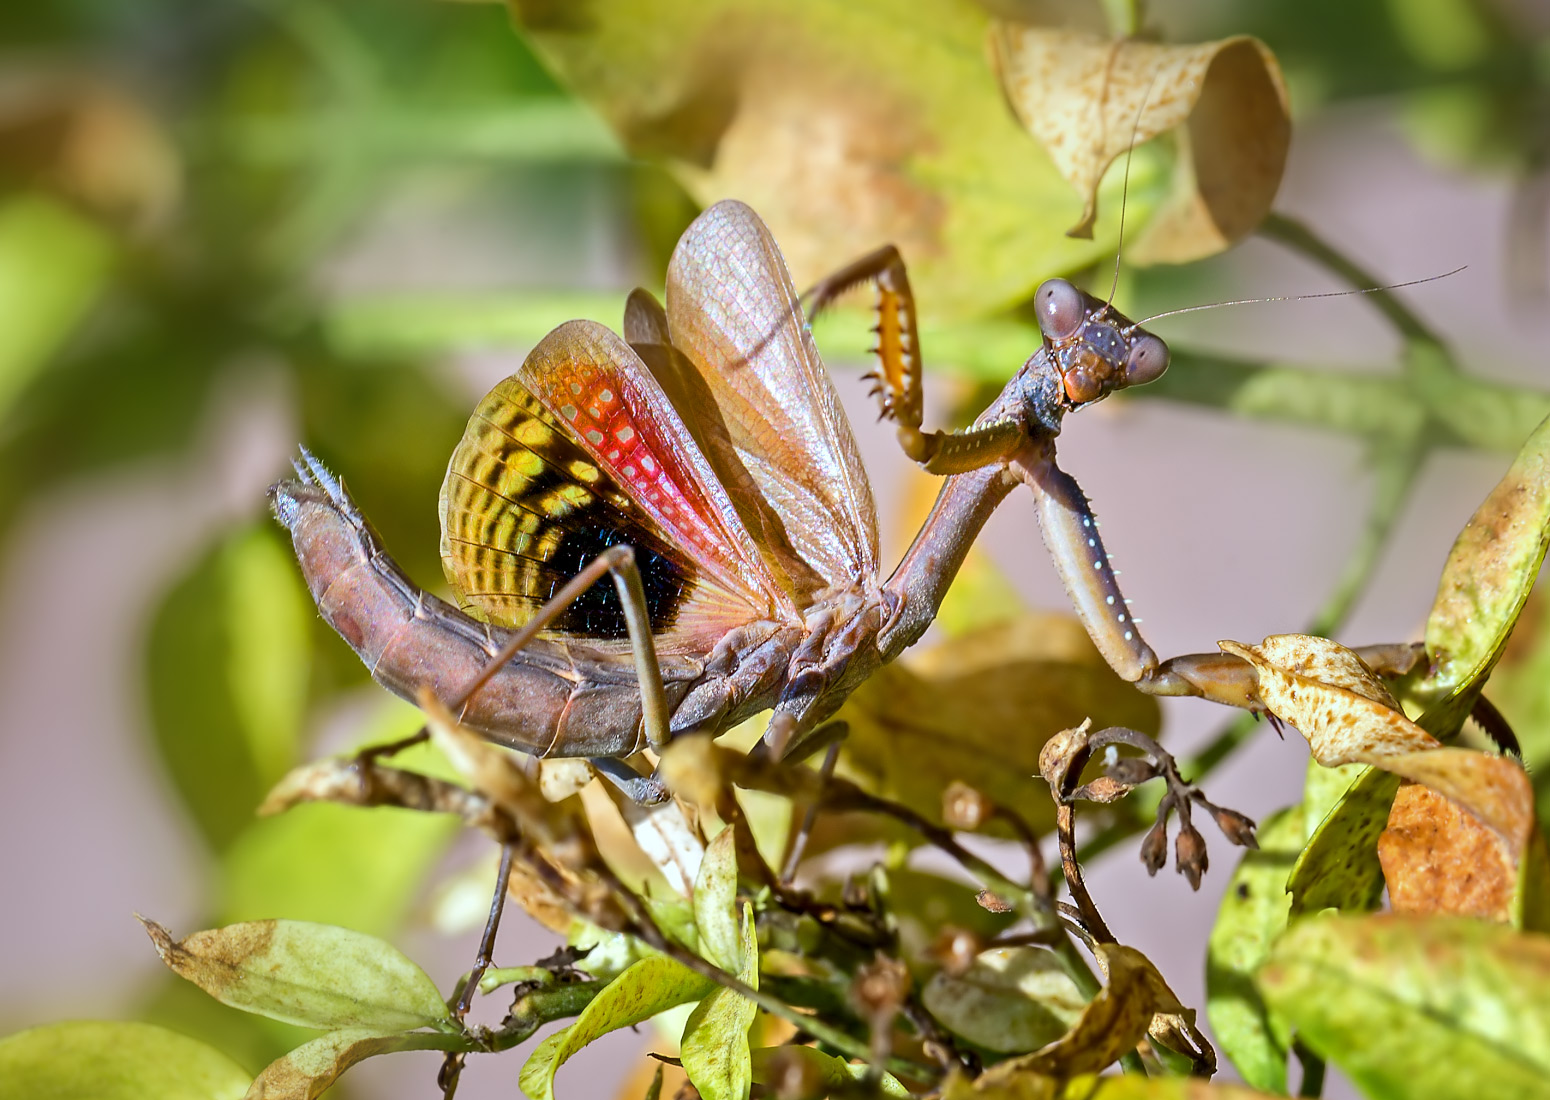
[703, 462]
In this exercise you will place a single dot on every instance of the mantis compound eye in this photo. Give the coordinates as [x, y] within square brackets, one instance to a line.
[1060, 308]
[1148, 359]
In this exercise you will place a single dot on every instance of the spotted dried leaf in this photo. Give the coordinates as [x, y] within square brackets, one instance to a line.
[1087, 99]
[1348, 718]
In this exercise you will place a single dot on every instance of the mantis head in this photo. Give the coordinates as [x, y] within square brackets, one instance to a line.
[1096, 349]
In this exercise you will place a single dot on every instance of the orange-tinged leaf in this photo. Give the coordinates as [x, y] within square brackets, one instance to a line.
[1461, 837]
[1088, 99]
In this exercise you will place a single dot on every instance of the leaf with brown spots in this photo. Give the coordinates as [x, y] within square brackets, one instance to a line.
[314, 975]
[1333, 700]
[847, 126]
[1088, 99]
[1441, 1008]
[1462, 839]
[1485, 583]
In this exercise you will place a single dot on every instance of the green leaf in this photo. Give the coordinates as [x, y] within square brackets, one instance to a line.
[1322, 790]
[1011, 1000]
[1253, 912]
[1339, 868]
[1485, 583]
[315, 975]
[827, 1074]
[715, 1040]
[715, 902]
[105, 1060]
[53, 263]
[1420, 1008]
[648, 987]
[1140, 1088]
[268, 623]
[918, 146]
[307, 1071]
[194, 715]
[344, 865]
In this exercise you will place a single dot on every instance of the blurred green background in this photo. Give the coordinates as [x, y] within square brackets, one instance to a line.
[228, 227]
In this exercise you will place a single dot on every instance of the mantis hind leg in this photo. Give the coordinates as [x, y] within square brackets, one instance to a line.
[644, 790]
[897, 376]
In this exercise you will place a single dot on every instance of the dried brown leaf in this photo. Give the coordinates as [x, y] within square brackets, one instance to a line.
[1135, 1002]
[1088, 98]
[1462, 836]
[1348, 718]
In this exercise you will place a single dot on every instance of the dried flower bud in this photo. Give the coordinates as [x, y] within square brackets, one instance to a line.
[792, 1075]
[992, 903]
[1102, 790]
[880, 987]
[965, 808]
[1235, 827]
[1154, 847]
[1058, 752]
[956, 949]
[1189, 850]
[1132, 770]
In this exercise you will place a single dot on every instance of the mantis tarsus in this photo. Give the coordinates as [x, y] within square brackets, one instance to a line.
[711, 441]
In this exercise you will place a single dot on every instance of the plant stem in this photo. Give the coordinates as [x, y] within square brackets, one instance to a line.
[1288, 231]
[1312, 1071]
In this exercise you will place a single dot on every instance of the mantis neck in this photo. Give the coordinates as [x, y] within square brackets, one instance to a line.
[966, 501]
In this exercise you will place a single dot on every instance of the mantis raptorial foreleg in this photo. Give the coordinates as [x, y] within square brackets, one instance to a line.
[897, 375]
[1071, 535]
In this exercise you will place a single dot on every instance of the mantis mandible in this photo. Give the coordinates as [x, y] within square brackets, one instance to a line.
[703, 461]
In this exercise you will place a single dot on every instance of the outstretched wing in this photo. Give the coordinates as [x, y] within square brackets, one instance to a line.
[733, 313]
[578, 451]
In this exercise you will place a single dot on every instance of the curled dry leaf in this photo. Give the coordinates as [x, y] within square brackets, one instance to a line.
[307, 1072]
[1135, 1002]
[1332, 698]
[1087, 99]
